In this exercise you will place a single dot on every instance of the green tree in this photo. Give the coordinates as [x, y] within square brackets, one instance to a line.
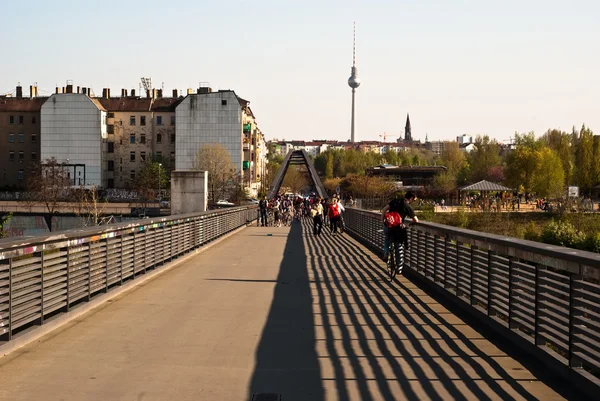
[151, 177]
[222, 177]
[485, 156]
[453, 158]
[549, 176]
[329, 167]
[561, 143]
[445, 182]
[295, 179]
[596, 175]
[522, 162]
[584, 159]
[3, 220]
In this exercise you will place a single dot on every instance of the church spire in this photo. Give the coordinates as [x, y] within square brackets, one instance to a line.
[407, 130]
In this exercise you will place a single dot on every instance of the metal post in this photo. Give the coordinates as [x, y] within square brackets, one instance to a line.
[68, 278]
[574, 361]
[121, 264]
[471, 276]
[42, 286]
[106, 264]
[456, 270]
[511, 324]
[435, 278]
[539, 274]
[89, 271]
[446, 239]
[10, 299]
[489, 283]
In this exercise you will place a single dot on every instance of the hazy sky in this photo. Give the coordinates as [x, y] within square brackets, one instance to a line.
[479, 66]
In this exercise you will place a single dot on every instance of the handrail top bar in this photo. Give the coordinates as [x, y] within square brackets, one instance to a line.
[586, 258]
[9, 244]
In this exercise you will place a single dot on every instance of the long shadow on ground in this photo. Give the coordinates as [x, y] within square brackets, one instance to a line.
[286, 360]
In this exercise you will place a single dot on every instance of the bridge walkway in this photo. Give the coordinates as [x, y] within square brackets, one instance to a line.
[310, 318]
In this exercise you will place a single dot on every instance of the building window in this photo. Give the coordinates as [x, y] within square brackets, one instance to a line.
[132, 174]
[132, 120]
[142, 120]
[111, 165]
[172, 120]
[33, 138]
[173, 157]
[143, 156]
[172, 138]
[121, 169]
[111, 147]
[132, 138]
[158, 120]
[142, 138]
[158, 156]
[33, 120]
[34, 156]
[21, 175]
[11, 138]
[111, 183]
[131, 156]
[158, 138]
[110, 129]
[224, 102]
[11, 119]
[110, 115]
[21, 138]
[21, 155]
[21, 119]
[11, 155]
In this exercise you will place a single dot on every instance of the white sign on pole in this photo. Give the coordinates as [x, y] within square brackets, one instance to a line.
[573, 192]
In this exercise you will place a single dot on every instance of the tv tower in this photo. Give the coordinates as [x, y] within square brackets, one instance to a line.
[354, 83]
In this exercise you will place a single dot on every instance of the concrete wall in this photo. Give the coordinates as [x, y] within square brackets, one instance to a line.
[72, 128]
[203, 119]
[189, 191]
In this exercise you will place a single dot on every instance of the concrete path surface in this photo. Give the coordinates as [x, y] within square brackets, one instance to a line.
[308, 318]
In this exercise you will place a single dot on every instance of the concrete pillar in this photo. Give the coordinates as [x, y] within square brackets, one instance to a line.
[189, 192]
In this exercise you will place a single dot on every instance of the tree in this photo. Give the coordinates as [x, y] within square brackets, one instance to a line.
[222, 175]
[485, 156]
[445, 182]
[3, 220]
[549, 175]
[596, 175]
[329, 167]
[152, 177]
[522, 162]
[332, 184]
[49, 183]
[453, 158]
[584, 159]
[89, 207]
[561, 143]
[295, 179]
[370, 186]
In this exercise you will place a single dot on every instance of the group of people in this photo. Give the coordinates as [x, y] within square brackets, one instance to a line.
[331, 212]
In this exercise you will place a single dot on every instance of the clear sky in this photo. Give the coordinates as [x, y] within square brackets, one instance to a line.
[476, 67]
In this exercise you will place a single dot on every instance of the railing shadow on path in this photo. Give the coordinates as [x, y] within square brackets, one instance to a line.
[286, 360]
[338, 329]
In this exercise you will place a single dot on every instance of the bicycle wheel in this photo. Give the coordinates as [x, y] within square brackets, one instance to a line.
[391, 261]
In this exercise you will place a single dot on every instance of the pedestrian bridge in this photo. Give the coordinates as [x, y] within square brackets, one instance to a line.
[202, 307]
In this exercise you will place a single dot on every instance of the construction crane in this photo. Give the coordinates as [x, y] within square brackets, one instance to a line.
[384, 136]
[147, 84]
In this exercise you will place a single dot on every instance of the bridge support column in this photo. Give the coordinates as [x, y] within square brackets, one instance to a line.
[189, 191]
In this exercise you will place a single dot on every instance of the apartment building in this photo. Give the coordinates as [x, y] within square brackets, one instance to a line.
[73, 131]
[19, 137]
[222, 117]
[139, 130]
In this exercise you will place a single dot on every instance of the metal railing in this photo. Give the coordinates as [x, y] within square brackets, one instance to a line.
[547, 295]
[43, 276]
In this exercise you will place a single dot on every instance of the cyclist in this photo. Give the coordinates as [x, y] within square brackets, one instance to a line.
[399, 236]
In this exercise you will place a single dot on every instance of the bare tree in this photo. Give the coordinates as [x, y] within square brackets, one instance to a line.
[222, 175]
[295, 179]
[89, 207]
[48, 184]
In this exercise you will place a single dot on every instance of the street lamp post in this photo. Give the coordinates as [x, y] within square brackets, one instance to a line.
[158, 195]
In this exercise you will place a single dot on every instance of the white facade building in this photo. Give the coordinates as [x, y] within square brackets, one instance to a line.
[73, 127]
[464, 138]
[208, 119]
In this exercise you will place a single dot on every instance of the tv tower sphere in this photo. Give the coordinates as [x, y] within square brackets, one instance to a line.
[353, 81]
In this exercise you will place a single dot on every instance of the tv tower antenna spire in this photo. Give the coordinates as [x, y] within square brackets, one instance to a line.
[354, 83]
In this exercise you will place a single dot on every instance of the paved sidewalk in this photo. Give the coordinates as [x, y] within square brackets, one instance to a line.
[310, 318]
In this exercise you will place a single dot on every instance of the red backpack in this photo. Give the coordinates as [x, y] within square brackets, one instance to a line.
[334, 211]
[393, 220]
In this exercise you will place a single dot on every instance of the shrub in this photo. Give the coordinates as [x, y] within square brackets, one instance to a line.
[563, 234]
[531, 232]
[592, 243]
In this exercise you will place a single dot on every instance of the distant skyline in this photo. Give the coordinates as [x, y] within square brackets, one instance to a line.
[466, 67]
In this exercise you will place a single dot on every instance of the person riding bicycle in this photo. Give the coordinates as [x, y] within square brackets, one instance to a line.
[397, 233]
